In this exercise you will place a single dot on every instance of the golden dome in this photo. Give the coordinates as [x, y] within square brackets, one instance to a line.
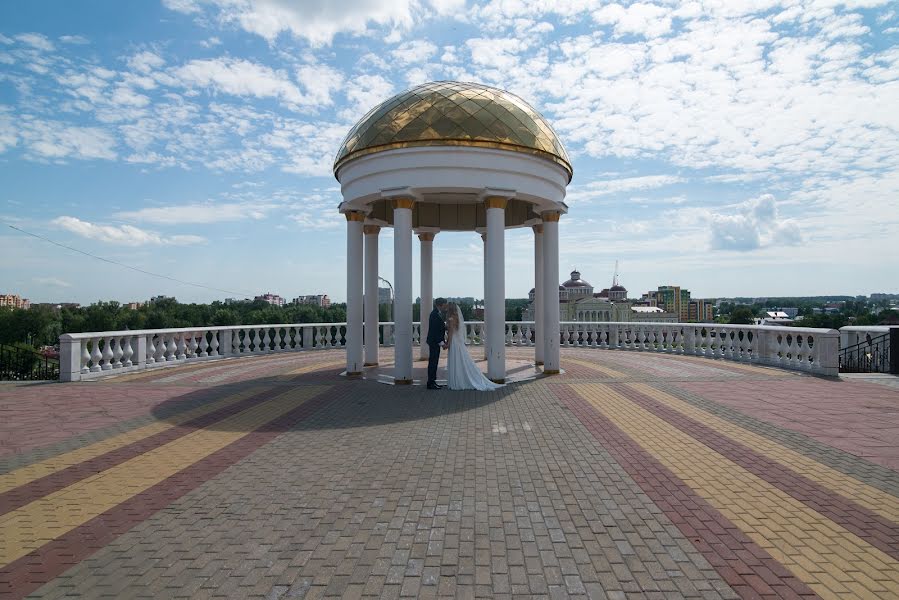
[450, 113]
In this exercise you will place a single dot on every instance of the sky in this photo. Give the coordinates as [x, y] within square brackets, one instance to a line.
[735, 148]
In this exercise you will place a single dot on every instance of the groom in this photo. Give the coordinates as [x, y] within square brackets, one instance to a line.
[436, 338]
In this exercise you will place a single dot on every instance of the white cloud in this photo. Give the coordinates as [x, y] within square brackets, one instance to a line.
[181, 214]
[316, 21]
[594, 189]
[752, 225]
[54, 139]
[8, 137]
[52, 281]
[74, 39]
[146, 62]
[647, 20]
[122, 234]
[365, 92]
[37, 41]
[240, 78]
[415, 51]
[320, 82]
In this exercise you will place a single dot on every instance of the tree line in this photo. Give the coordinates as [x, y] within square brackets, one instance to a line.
[42, 325]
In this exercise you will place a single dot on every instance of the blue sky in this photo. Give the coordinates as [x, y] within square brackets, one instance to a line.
[733, 148]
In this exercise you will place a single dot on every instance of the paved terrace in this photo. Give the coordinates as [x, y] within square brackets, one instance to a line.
[630, 476]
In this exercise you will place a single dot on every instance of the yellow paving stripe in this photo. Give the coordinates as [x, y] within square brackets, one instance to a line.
[870, 497]
[162, 372]
[709, 361]
[14, 479]
[310, 368]
[39, 522]
[597, 367]
[812, 546]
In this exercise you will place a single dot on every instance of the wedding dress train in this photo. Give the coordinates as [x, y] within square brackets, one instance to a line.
[462, 372]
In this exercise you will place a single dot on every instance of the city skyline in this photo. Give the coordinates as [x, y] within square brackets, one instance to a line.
[731, 150]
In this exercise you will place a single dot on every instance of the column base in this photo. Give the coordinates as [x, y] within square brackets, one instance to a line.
[402, 382]
[538, 363]
[551, 371]
[497, 380]
[374, 364]
[354, 374]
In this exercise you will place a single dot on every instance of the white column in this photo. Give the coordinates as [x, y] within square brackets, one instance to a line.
[495, 300]
[551, 292]
[402, 276]
[371, 294]
[354, 293]
[538, 295]
[427, 289]
[484, 340]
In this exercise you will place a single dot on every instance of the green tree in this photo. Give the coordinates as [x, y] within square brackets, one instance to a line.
[741, 315]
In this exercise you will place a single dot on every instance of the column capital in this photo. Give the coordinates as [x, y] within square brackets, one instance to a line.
[538, 229]
[484, 237]
[496, 202]
[354, 215]
[371, 229]
[426, 236]
[403, 203]
[551, 216]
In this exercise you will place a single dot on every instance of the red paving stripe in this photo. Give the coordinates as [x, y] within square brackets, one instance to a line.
[22, 495]
[743, 564]
[878, 531]
[23, 576]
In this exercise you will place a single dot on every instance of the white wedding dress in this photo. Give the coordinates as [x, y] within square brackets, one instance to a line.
[462, 372]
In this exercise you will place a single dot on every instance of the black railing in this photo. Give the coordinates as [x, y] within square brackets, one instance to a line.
[23, 364]
[869, 356]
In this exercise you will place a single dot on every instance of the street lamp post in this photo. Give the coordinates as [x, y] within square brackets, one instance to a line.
[390, 306]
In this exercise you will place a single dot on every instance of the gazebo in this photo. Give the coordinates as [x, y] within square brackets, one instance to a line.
[450, 156]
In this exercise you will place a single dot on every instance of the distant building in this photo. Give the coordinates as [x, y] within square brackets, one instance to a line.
[160, 298]
[273, 299]
[459, 300]
[320, 300]
[14, 301]
[673, 299]
[384, 296]
[134, 305]
[578, 302]
[700, 311]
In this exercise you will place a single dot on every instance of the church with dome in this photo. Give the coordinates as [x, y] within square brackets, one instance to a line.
[578, 301]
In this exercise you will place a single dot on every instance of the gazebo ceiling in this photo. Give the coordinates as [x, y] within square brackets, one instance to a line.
[450, 113]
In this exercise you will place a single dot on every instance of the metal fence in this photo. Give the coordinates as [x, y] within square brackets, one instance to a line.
[23, 364]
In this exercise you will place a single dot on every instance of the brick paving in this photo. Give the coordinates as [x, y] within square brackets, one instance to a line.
[632, 475]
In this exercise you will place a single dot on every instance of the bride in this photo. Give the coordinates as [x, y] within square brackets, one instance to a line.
[462, 373]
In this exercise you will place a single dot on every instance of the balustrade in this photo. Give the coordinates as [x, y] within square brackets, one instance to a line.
[90, 355]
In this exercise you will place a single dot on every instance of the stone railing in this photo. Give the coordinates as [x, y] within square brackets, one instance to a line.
[861, 334]
[88, 355]
[796, 348]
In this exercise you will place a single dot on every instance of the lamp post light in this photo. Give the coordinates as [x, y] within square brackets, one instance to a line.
[389, 306]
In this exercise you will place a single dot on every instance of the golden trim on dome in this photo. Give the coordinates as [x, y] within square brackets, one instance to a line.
[449, 113]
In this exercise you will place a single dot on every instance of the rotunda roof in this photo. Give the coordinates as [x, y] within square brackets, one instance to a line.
[618, 288]
[576, 281]
[451, 113]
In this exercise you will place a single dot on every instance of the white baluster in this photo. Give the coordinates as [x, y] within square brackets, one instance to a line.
[193, 345]
[318, 338]
[107, 355]
[116, 358]
[266, 341]
[204, 344]
[85, 357]
[96, 355]
[235, 341]
[127, 351]
[182, 346]
[214, 343]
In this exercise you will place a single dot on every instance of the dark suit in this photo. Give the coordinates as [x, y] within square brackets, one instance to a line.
[436, 336]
